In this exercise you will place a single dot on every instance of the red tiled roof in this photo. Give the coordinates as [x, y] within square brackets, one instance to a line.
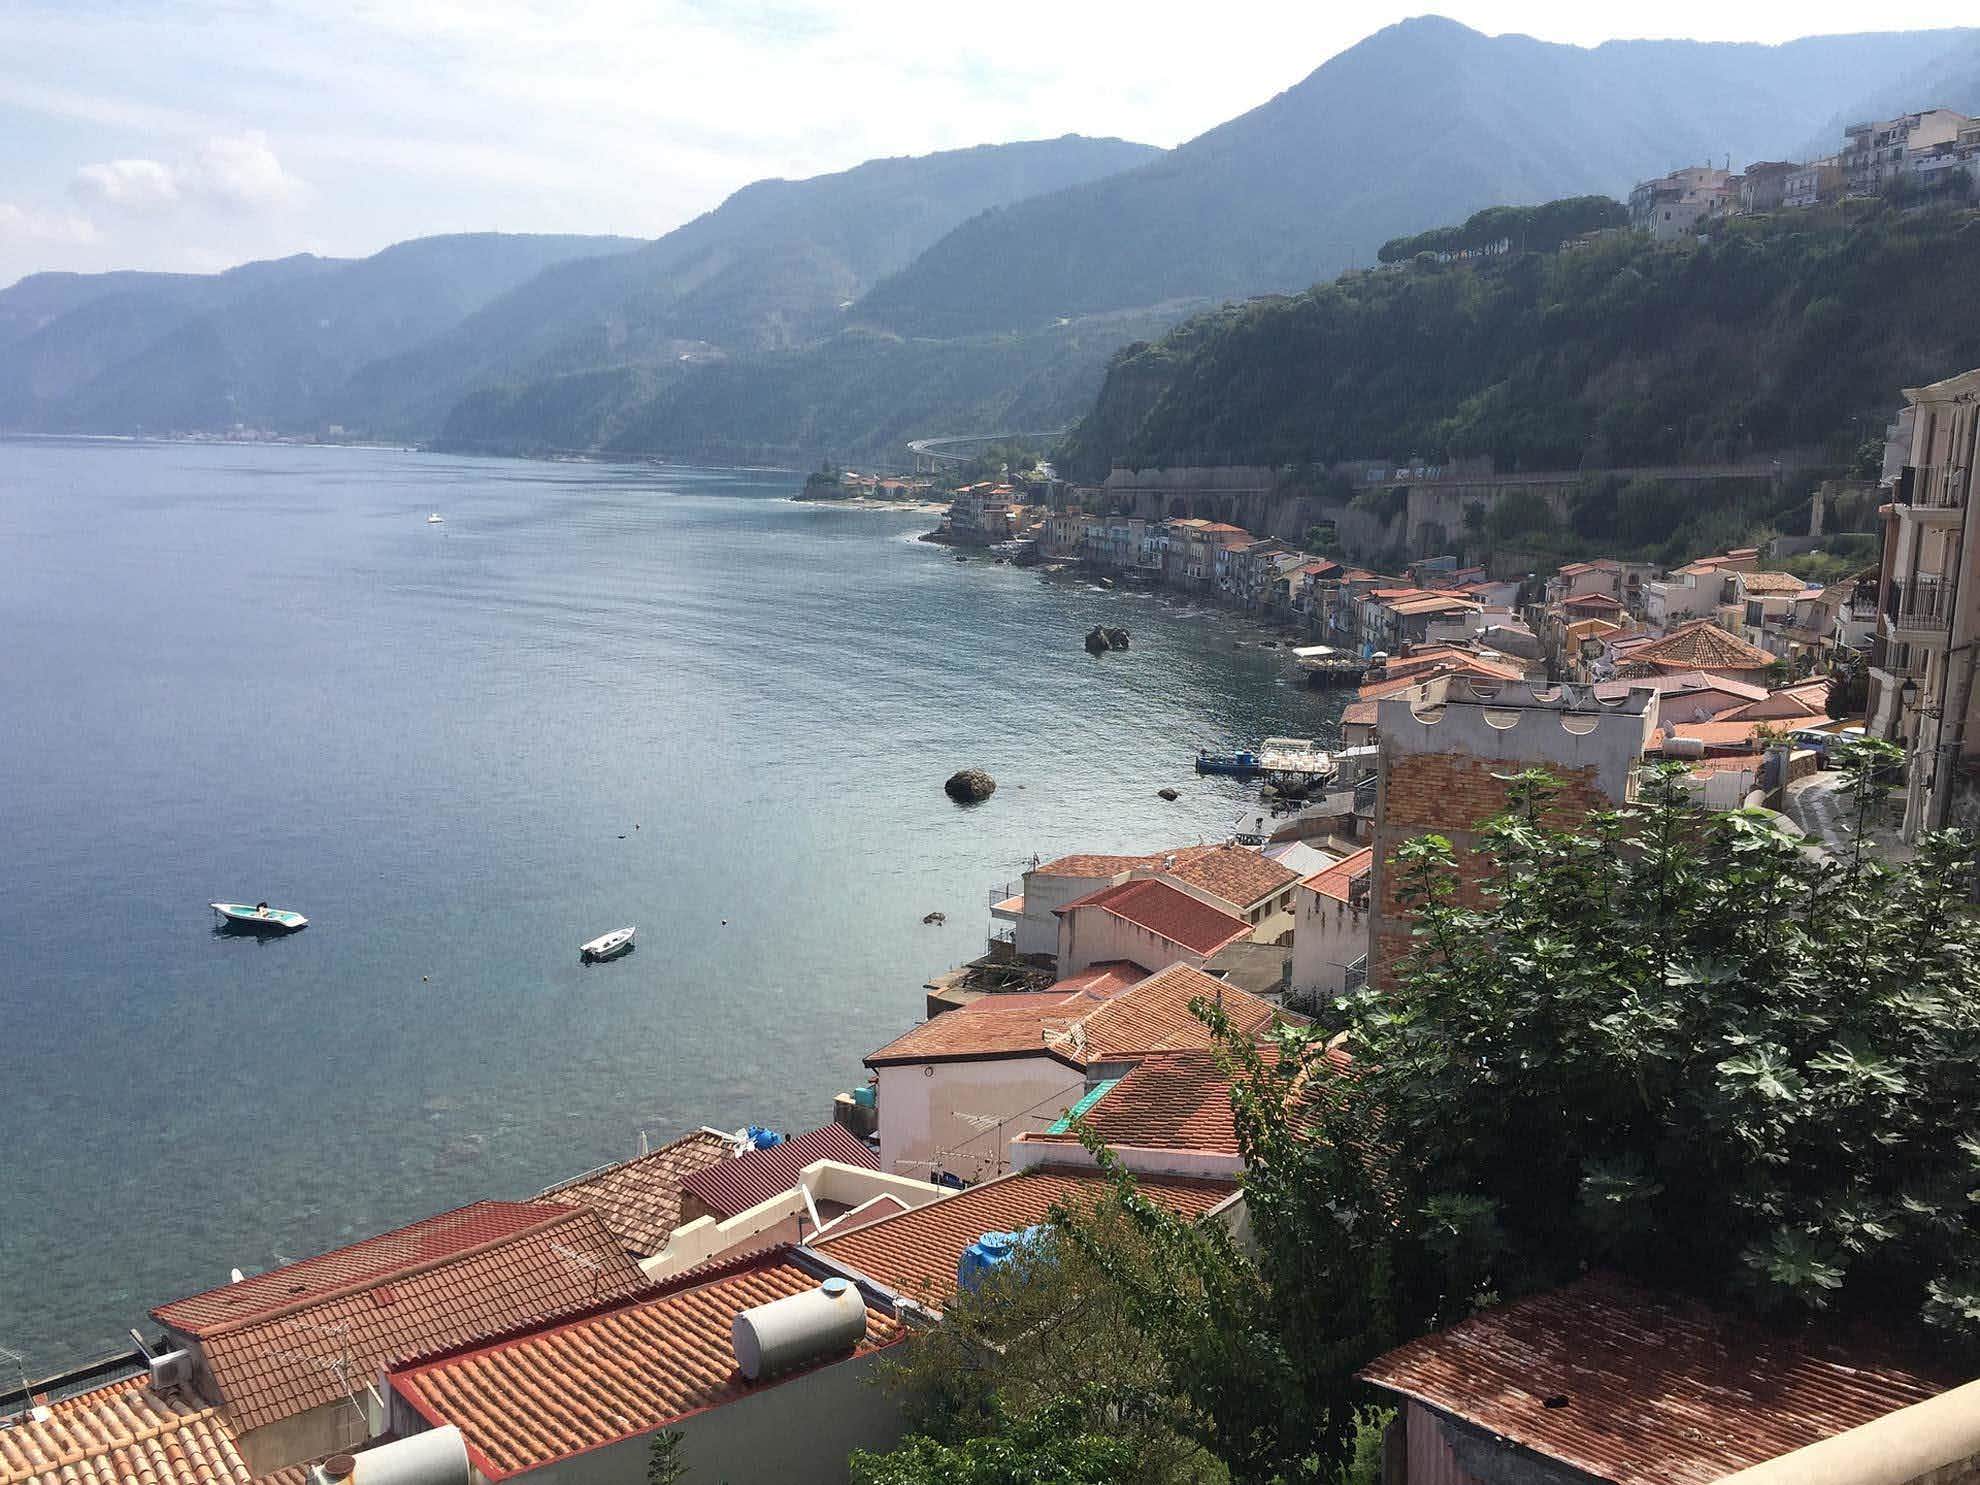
[640, 1200]
[1700, 645]
[1333, 882]
[1166, 911]
[1102, 981]
[1092, 866]
[1658, 1390]
[1712, 734]
[915, 1254]
[1592, 600]
[1173, 1101]
[1358, 714]
[1778, 583]
[1239, 876]
[289, 1360]
[370, 1261]
[1150, 1016]
[757, 1175]
[123, 1433]
[615, 1373]
[1601, 564]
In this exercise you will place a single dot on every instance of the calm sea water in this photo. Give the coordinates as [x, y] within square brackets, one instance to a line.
[595, 695]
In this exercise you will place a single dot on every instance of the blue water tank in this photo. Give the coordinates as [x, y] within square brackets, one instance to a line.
[761, 1138]
[864, 1095]
[991, 1252]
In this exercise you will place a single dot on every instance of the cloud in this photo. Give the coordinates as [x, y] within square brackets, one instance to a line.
[23, 224]
[137, 186]
[237, 173]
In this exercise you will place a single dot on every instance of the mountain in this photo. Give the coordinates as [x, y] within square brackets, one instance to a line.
[1788, 334]
[260, 344]
[1421, 123]
[770, 269]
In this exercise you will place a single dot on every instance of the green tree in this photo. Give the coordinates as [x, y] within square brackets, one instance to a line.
[664, 1465]
[1849, 686]
[1046, 1448]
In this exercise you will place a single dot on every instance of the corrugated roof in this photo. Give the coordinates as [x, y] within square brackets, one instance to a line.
[1654, 1389]
[370, 1261]
[296, 1359]
[640, 1199]
[1166, 911]
[120, 1434]
[737, 1185]
[915, 1254]
[526, 1400]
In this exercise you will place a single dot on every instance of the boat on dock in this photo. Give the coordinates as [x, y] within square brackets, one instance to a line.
[1323, 665]
[607, 946]
[1284, 759]
[258, 917]
[1242, 765]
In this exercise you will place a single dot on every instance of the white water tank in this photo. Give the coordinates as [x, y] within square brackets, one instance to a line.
[799, 1329]
[436, 1457]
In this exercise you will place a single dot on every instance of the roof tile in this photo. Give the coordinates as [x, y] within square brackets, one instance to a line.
[122, 1433]
[640, 1199]
[1700, 645]
[1336, 880]
[1659, 1390]
[1239, 876]
[1166, 911]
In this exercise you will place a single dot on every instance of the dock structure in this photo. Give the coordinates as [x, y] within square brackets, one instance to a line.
[1294, 759]
[1323, 665]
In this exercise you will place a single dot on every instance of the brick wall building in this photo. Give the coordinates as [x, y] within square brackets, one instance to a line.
[1448, 750]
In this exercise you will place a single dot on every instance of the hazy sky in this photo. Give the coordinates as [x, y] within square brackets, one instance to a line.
[194, 134]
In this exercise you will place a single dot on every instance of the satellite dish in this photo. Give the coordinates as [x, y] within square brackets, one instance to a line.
[237, 1277]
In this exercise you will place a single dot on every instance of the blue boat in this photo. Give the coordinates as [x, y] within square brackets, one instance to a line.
[1244, 765]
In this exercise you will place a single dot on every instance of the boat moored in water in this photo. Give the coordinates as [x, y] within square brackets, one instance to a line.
[434, 519]
[607, 945]
[258, 917]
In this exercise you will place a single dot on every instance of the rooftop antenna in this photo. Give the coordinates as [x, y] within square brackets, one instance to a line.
[27, 1389]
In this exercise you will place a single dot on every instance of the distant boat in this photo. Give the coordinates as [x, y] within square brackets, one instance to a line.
[607, 945]
[259, 917]
[434, 519]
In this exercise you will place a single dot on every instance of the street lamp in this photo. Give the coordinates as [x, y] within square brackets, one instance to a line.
[1908, 693]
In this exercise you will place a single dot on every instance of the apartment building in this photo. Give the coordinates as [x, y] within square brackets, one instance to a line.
[1928, 626]
[1876, 154]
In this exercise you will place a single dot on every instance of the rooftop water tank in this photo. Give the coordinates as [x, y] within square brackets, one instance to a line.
[799, 1329]
[761, 1138]
[992, 1251]
[437, 1457]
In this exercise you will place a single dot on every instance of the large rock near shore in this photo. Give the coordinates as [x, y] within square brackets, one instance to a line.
[970, 786]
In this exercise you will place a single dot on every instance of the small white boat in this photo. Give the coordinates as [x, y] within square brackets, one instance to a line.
[259, 916]
[607, 945]
[434, 519]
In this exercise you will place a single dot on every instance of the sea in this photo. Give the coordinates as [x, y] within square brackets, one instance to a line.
[592, 695]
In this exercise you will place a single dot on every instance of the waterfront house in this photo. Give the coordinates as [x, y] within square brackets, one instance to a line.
[916, 1255]
[1238, 880]
[289, 1354]
[1605, 1382]
[639, 1200]
[1064, 534]
[1330, 932]
[952, 1091]
[580, 1398]
[1145, 921]
[1169, 1115]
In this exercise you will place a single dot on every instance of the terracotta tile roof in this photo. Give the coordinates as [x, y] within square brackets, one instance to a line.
[1151, 1016]
[1700, 645]
[1666, 683]
[1333, 882]
[119, 1434]
[1102, 981]
[1155, 1016]
[370, 1261]
[1659, 1390]
[1770, 582]
[915, 1254]
[640, 1200]
[1239, 876]
[1166, 911]
[737, 1185]
[1582, 629]
[1173, 1101]
[1602, 564]
[1712, 734]
[545, 1394]
[1092, 866]
[1593, 600]
[1358, 714]
[288, 1361]
[1441, 603]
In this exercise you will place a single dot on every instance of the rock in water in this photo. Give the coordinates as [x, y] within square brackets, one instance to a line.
[970, 786]
[1096, 641]
[935, 918]
[1168, 794]
[1117, 639]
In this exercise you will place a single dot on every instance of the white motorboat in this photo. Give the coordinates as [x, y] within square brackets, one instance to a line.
[259, 917]
[607, 945]
[434, 519]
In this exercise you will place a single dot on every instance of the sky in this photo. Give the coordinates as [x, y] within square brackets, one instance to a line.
[192, 135]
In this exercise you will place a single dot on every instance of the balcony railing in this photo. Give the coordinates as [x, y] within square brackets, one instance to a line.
[1940, 487]
[1899, 660]
[1356, 976]
[1920, 606]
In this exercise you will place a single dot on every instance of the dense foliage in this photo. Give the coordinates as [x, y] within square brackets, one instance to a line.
[1668, 1043]
[1045, 1448]
[1515, 229]
[1790, 332]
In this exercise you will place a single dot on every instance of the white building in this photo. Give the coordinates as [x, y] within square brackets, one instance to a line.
[1330, 937]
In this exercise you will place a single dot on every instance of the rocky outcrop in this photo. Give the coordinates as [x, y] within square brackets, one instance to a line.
[1169, 794]
[1100, 639]
[970, 786]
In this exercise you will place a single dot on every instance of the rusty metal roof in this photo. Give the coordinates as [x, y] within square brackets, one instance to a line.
[1637, 1387]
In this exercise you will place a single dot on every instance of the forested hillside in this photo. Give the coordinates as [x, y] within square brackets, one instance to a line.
[1782, 333]
[1420, 124]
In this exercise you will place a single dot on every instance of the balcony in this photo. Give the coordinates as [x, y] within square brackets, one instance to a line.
[1919, 609]
[1898, 661]
[1938, 492]
[1355, 977]
[1007, 901]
